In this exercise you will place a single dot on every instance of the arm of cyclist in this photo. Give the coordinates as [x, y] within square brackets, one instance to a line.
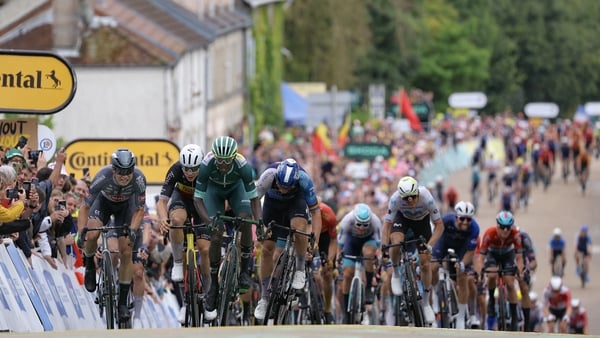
[162, 213]
[438, 230]
[137, 218]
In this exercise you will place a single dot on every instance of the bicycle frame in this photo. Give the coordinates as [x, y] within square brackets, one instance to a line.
[356, 297]
[229, 270]
[107, 294]
[503, 313]
[192, 285]
[280, 286]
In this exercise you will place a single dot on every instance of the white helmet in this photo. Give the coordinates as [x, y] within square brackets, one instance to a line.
[555, 283]
[557, 232]
[464, 209]
[533, 296]
[408, 186]
[575, 302]
[191, 155]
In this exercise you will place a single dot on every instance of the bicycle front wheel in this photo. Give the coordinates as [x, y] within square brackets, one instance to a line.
[108, 292]
[502, 313]
[192, 309]
[228, 285]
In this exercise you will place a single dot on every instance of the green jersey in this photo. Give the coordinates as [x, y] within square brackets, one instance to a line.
[209, 175]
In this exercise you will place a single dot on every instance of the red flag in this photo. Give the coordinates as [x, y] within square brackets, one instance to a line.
[407, 109]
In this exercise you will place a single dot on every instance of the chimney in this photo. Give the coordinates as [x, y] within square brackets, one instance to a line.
[66, 26]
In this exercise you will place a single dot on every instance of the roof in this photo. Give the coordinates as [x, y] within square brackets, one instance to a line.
[257, 3]
[145, 33]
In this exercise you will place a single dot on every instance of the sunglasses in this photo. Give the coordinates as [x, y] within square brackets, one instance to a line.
[123, 172]
[411, 197]
[464, 219]
[224, 161]
[505, 228]
[190, 169]
[364, 225]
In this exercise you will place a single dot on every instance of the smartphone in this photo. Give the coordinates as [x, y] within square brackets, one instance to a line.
[12, 194]
[35, 181]
[22, 142]
[63, 204]
[27, 187]
[86, 171]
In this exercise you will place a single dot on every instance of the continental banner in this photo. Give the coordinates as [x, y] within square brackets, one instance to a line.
[153, 156]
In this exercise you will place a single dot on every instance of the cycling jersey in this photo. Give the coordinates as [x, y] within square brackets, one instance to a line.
[104, 184]
[452, 238]
[557, 244]
[557, 301]
[267, 186]
[528, 248]
[578, 319]
[175, 180]
[583, 242]
[328, 220]
[426, 206]
[491, 241]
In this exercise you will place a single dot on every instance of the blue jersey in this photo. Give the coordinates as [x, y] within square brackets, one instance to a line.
[557, 244]
[266, 185]
[452, 238]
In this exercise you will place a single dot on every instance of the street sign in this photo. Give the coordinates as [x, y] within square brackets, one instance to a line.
[474, 100]
[377, 100]
[366, 151]
[545, 110]
[35, 82]
[154, 156]
[592, 108]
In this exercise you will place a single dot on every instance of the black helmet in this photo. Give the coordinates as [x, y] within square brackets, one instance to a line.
[122, 159]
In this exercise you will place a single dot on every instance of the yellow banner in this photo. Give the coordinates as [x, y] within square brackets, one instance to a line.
[34, 82]
[154, 157]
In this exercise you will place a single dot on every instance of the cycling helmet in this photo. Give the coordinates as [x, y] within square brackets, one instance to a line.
[224, 147]
[533, 296]
[408, 186]
[505, 219]
[288, 173]
[123, 159]
[191, 155]
[575, 302]
[557, 232]
[555, 283]
[362, 213]
[464, 209]
[584, 227]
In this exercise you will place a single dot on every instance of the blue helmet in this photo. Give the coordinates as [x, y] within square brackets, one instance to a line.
[362, 213]
[288, 173]
[505, 219]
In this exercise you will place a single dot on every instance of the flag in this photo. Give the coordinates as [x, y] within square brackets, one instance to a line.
[407, 109]
[344, 132]
[321, 142]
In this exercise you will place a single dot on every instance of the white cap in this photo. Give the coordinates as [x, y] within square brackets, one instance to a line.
[63, 170]
[557, 232]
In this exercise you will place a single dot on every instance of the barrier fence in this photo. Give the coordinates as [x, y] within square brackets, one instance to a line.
[35, 297]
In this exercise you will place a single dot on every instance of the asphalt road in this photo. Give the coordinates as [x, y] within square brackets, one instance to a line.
[563, 206]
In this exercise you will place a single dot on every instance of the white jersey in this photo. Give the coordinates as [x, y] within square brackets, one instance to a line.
[348, 228]
[425, 206]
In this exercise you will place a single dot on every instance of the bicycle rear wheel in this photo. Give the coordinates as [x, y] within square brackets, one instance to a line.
[317, 303]
[108, 296]
[276, 287]
[228, 287]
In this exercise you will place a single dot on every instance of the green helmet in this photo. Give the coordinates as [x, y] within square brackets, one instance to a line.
[224, 147]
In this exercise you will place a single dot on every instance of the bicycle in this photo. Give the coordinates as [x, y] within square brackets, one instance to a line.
[229, 269]
[557, 266]
[502, 305]
[582, 272]
[192, 281]
[407, 309]
[356, 297]
[447, 300]
[280, 287]
[107, 295]
[311, 304]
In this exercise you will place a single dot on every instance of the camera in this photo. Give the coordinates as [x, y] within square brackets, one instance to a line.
[22, 142]
[12, 193]
[61, 205]
[27, 187]
[34, 155]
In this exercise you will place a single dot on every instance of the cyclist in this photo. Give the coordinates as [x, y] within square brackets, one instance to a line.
[492, 165]
[359, 235]
[460, 234]
[557, 304]
[117, 190]
[582, 163]
[501, 244]
[578, 320]
[176, 204]
[583, 252]
[557, 250]
[289, 196]
[412, 207]
[536, 316]
[524, 279]
[225, 175]
[327, 251]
